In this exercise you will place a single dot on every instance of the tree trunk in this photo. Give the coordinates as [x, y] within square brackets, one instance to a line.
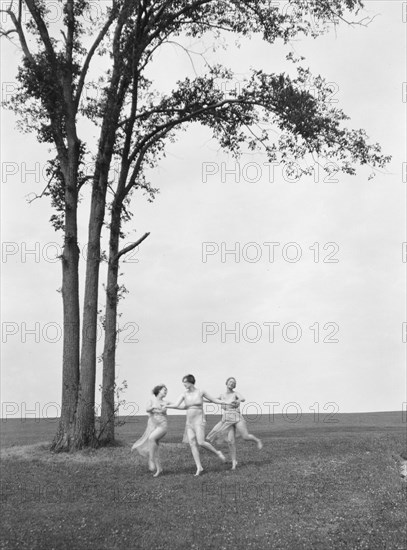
[70, 295]
[85, 417]
[106, 434]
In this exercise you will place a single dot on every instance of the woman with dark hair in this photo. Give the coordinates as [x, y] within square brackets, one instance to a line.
[232, 423]
[194, 434]
[148, 444]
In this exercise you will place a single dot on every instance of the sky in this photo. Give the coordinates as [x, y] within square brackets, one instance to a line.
[294, 287]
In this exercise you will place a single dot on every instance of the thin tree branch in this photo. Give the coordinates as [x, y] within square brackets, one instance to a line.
[91, 52]
[20, 32]
[183, 11]
[42, 193]
[130, 247]
[361, 22]
[7, 33]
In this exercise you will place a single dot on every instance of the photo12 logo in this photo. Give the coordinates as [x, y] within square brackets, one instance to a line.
[267, 172]
[51, 411]
[37, 172]
[291, 412]
[51, 493]
[50, 252]
[268, 331]
[269, 252]
[53, 332]
[286, 11]
[53, 11]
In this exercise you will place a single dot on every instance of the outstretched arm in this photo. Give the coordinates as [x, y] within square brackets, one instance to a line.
[206, 400]
[177, 404]
[213, 399]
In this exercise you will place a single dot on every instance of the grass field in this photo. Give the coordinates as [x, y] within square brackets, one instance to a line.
[315, 485]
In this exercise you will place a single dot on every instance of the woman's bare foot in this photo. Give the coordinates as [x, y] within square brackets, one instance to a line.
[234, 464]
[151, 466]
[260, 444]
[221, 456]
[158, 472]
[198, 472]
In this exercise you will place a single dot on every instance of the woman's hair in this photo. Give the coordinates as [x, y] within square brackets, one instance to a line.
[230, 378]
[189, 378]
[157, 389]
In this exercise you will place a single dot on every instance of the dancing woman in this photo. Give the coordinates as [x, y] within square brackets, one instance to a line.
[232, 422]
[194, 434]
[148, 444]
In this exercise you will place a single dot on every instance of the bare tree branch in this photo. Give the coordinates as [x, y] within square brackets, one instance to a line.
[91, 52]
[19, 29]
[42, 193]
[130, 247]
[7, 33]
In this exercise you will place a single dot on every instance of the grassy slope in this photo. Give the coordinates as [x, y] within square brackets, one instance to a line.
[314, 485]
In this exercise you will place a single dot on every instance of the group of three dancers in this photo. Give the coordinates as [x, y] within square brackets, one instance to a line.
[231, 424]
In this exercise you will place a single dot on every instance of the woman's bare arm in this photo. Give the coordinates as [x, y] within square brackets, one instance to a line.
[176, 405]
[206, 400]
[240, 397]
[213, 399]
[150, 406]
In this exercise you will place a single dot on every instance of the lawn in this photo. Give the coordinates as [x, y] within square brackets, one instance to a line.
[315, 485]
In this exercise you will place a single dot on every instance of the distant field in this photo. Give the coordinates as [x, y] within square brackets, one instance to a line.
[27, 431]
[315, 485]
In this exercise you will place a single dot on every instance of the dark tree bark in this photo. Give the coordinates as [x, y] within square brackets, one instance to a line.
[109, 352]
[70, 295]
[107, 431]
[85, 416]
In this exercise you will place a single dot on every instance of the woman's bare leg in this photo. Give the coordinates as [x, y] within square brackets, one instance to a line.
[232, 446]
[153, 440]
[200, 437]
[157, 461]
[196, 455]
[242, 428]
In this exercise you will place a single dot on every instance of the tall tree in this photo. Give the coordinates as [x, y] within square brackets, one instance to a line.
[299, 107]
[136, 122]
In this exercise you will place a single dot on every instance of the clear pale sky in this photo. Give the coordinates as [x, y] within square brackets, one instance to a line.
[177, 300]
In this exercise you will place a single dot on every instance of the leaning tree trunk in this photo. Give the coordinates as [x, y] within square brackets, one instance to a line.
[106, 434]
[70, 295]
